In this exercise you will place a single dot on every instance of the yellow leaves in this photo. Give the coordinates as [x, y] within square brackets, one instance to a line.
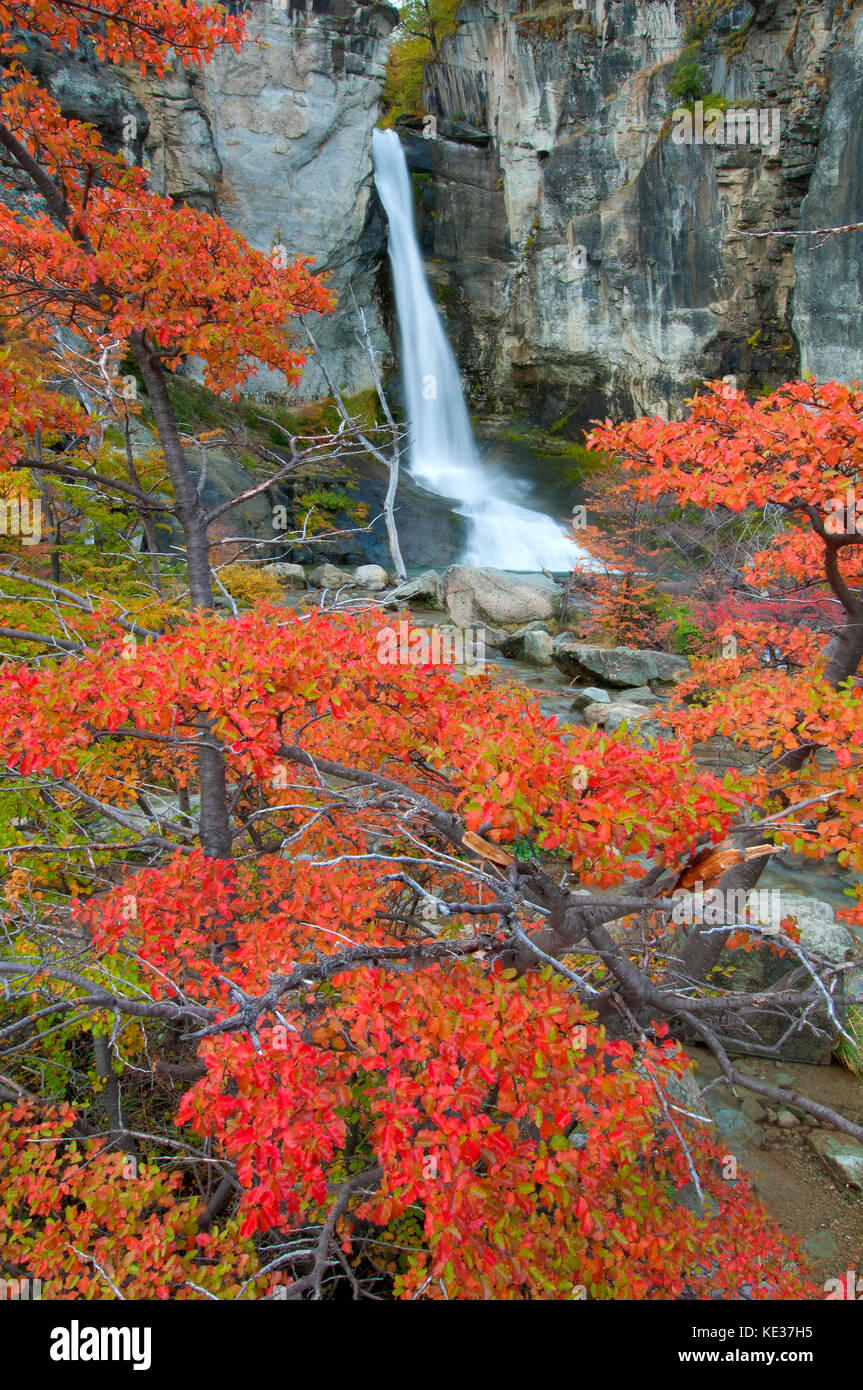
[248, 585]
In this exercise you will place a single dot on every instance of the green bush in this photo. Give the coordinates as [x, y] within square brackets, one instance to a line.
[690, 79]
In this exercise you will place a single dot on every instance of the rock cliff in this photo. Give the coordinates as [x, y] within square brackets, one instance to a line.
[277, 139]
[587, 256]
[587, 259]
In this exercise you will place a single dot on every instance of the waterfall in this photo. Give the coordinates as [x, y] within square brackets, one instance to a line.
[443, 455]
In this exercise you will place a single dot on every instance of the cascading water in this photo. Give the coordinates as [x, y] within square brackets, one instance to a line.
[443, 454]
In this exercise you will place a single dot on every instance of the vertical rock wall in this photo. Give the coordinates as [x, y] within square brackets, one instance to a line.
[612, 272]
[277, 139]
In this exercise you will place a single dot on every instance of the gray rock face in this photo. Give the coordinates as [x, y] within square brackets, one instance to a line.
[585, 261]
[91, 92]
[590, 263]
[830, 275]
[617, 666]
[277, 138]
[479, 595]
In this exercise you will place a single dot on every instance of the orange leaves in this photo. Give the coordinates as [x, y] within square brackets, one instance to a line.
[165, 270]
[520, 1150]
[115, 259]
[128, 31]
[797, 445]
[128, 1219]
[27, 405]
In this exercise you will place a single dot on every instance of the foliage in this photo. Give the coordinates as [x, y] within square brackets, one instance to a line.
[422, 26]
[249, 584]
[95, 1225]
[689, 81]
[530, 1141]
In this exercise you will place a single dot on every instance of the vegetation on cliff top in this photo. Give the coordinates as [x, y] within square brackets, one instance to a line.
[424, 23]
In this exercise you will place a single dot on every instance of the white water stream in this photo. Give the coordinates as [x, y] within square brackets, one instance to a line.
[443, 455]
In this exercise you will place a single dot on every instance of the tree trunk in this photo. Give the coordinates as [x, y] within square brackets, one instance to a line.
[215, 824]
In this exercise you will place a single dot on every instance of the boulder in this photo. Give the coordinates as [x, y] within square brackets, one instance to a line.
[513, 647]
[842, 1157]
[331, 577]
[426, 587]
[473, 595]
[537, 649]
[372, 578]
[618, 666]
[292, 576]
[493, 636]
[591, 695]
[610, 715]
[636, 717]
[638, 695]
[596, 715]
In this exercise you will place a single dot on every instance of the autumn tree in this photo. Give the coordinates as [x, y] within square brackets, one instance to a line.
[416, 41]
[787, 692]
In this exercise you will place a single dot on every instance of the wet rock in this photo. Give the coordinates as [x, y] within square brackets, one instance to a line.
[616, 666]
